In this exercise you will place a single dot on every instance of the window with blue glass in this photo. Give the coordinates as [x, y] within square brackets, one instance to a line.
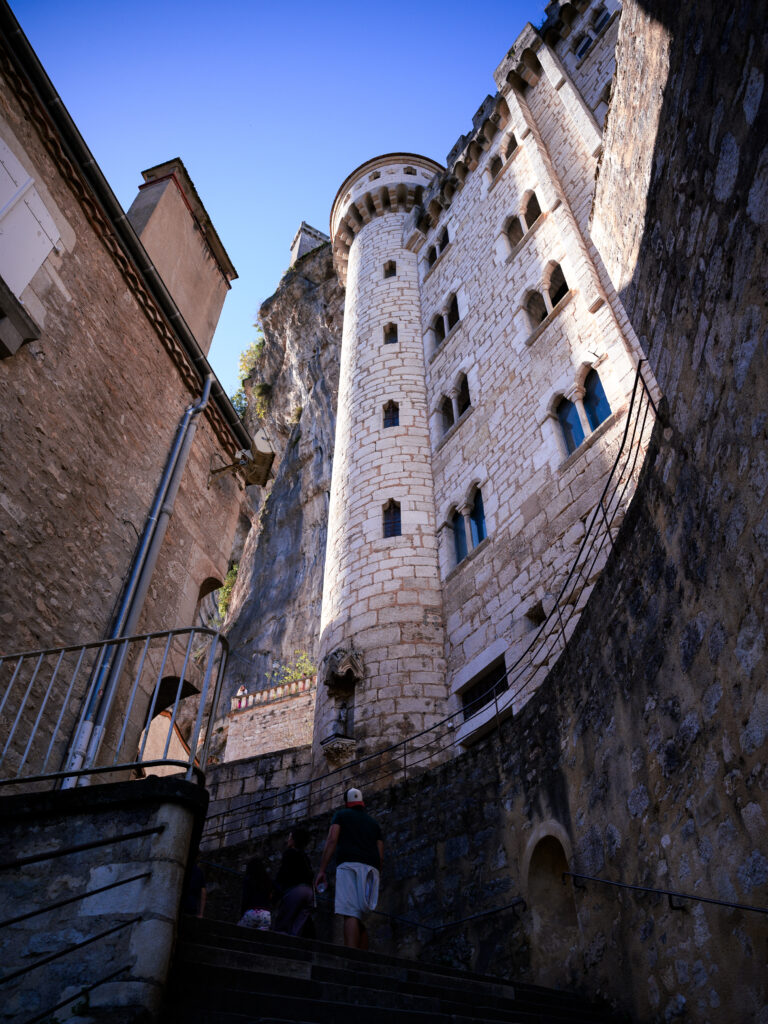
[391, 519]
[459, 536]
[477, 520]
[595, 403]
[570, 424]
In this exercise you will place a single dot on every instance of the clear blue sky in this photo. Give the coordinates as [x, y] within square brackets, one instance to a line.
[270, 105]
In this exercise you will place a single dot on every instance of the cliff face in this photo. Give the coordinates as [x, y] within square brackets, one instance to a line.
[275, 607]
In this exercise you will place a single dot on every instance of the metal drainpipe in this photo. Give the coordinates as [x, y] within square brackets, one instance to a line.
[91, 732]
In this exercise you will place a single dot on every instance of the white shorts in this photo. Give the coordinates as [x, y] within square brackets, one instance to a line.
[357, 889]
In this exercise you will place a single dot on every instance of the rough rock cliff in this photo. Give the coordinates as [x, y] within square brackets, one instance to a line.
[275, 607]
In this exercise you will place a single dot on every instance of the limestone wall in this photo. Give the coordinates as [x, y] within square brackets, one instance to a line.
[381, 593]
[131, 841]
[274, 723]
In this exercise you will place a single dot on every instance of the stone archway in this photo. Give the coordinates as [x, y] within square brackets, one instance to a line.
[555, 926]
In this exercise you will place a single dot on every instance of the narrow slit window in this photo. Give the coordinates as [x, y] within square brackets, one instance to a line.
[595, 403]
[464, 401]
[536, 308]
[570, 425]
[443, 240]
[532, 211]
[477, 520]
[390, 268]
[438, 326]
[496, 165]
[484, 688]
[558, 286]
[431, 256]
[511, 147]
[459, 536]
[390, 334]
[514, 231]
[453, 312]
[446, 414]
[391, 414]
[582, 46]
[391, 519]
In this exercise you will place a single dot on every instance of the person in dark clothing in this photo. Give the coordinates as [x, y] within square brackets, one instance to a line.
[256, 897]
[355, 837]
[294, 887]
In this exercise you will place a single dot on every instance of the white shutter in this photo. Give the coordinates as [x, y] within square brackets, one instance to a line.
[27, 230]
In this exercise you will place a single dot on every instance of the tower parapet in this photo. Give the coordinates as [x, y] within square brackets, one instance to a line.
[382, 674]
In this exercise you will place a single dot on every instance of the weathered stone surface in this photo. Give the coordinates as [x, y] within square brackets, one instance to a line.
[275, 608]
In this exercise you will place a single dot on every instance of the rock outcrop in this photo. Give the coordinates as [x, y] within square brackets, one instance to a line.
[275, 607]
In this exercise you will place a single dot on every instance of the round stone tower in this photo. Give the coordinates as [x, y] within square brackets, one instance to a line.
[382, 671]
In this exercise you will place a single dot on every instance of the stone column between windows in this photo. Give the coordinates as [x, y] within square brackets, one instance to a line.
[455, 403]
[465, 512]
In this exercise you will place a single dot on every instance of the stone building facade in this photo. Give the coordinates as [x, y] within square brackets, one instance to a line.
[486, 367]
[103, 351]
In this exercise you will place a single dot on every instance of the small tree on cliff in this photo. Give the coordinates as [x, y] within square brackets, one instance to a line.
[248, 361]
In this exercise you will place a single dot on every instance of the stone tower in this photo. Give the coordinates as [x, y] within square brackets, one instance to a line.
[382, 671]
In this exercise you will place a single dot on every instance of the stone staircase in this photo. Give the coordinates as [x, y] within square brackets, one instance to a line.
[223, 974]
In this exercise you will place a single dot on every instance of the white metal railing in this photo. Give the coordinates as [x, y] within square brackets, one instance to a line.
[130, 706]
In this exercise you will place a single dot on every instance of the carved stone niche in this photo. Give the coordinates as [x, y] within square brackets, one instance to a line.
[342, 670]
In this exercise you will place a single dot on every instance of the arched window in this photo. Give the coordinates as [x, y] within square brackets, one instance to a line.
[459, 536]
[532, 211]
[570, 424]
[514, 230]
[391, 519]
[536, 308]
[558, 286]
[600, 17]
[446, 414]
[595, 403]
[391, 414]
[390, 268]
[463, 401]
[496, 165]
[390, 334]
[582, 45]
[443, 240]
[431, 255]
[511, 147]
[477, 520]
[438, 326]
[409, 170]
[453, 312]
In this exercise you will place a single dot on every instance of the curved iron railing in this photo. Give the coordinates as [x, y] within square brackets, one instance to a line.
[44, 698]
[514, 685]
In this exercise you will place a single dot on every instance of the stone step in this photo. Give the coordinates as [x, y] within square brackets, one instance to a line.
[261, 974]
[224, 974]
[229, 936]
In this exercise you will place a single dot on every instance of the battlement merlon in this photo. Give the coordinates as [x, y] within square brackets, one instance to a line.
[389, 183]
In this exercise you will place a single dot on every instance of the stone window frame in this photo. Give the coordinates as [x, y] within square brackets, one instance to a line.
[572, 387]
[391, 519]
[390, 410]
[433, 346]
[464, 507]
[529, 230]
[389, 269]
[506, 160]
[441, 250]
[387, 330]
[440, 432]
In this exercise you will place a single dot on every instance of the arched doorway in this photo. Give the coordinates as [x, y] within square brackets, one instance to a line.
[555, 938]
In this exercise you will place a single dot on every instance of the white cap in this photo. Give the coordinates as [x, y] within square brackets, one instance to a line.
[354, 796]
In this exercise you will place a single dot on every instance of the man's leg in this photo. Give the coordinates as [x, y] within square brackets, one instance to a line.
[363, 940]
[352, 933]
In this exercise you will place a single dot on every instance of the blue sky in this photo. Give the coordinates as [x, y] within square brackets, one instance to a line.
[269, 105]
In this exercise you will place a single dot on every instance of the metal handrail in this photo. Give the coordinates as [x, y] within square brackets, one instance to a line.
[72, 899]
[46, 693]
[62, 851]
[669, 893]
[635, 430]
[19, 972]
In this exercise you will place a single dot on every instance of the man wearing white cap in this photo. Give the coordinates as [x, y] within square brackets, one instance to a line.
[356, 839]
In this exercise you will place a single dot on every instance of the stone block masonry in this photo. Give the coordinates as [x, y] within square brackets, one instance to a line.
[130, 841]
[269, 720]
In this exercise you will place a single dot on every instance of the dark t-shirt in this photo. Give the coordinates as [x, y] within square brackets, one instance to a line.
[358, 837]
[295, 869]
